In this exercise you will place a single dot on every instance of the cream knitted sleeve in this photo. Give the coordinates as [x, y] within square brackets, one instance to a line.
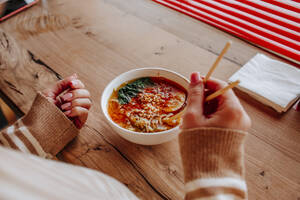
[44, 131]
[213, 163]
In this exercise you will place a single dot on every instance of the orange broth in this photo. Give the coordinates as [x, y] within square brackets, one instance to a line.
[152, 108]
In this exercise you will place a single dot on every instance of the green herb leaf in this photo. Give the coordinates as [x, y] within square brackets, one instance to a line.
[132, 89]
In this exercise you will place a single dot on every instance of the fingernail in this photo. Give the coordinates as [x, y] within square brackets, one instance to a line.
[67, 96]
[74, 83]
[66, 106]
[75, 75]
[67, 112]
[195, 77]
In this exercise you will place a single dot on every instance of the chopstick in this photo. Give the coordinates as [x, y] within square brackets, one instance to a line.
[211, 70]
[210, 97]
[222, 91]
[213, 67]
[178, 115]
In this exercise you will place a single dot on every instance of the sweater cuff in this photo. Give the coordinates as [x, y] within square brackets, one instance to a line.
[212, 153]
[49, 125]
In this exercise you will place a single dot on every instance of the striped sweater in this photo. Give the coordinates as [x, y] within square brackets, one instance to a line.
[212, 160]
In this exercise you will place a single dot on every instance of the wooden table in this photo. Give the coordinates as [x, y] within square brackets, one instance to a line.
[107, 38]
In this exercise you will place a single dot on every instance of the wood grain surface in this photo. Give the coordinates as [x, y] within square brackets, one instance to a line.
[107, 38]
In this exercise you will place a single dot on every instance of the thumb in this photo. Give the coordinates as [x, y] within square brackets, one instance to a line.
[196, 93]
[64, 84]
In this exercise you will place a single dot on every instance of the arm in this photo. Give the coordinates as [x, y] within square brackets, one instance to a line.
[45, 129]
[212, 144]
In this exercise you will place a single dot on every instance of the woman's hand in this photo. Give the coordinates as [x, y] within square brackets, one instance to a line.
[72, 98]
[225, 112]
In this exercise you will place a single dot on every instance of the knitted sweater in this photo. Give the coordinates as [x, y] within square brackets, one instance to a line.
[212, 161]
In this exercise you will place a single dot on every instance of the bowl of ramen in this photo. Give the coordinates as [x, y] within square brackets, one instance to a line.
[141, 105]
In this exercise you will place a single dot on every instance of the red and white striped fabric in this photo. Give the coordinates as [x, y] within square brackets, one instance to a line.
[270, 24]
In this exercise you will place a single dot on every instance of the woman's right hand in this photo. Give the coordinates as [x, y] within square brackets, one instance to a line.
[228, 111]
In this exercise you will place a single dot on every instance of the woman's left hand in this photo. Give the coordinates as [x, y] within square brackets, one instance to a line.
[72, 98]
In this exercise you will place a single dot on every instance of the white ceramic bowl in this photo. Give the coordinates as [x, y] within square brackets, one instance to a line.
[138, 137]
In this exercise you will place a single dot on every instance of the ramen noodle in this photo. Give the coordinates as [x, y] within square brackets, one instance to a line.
[147, 104]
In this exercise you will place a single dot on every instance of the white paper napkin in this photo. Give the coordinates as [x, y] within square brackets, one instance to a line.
[273, 83]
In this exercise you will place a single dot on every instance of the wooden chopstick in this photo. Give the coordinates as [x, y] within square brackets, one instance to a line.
[176, 116]
[213, 67]
[210, 97]
[222, 91]
[219, 92]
